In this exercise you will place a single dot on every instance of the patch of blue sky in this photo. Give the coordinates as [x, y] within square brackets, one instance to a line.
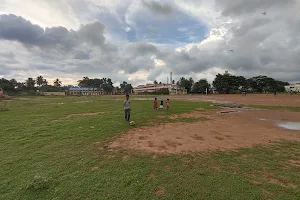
[176, 28]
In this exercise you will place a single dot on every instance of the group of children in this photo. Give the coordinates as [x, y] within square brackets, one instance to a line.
[127, 107]
[161, 105]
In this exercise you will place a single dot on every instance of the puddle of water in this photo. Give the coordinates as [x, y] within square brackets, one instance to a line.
[228, 111]
[290, 125]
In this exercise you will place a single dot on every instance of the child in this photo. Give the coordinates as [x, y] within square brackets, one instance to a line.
[155, 104]
[126, 105]
[168, 104]
[161, 106]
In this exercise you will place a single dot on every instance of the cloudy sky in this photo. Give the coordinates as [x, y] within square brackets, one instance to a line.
[144, 40]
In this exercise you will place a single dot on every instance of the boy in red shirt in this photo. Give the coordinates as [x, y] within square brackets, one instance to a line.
[155, 104]
[168, 104]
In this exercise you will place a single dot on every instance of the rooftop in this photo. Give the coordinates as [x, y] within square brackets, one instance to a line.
[82, 88]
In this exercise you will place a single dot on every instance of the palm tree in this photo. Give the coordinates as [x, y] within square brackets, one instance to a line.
[84, 82]
[45, 82]
[57, 83]
[30, 83]
[39, 80]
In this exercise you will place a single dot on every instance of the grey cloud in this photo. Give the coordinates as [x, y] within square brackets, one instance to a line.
[80, 55]
[132, 65]
[140, 48]
[269, 45]
[9, 57]
[158, 7]
[92, 33]
[242, 7]
[156, 72]
[17, 28]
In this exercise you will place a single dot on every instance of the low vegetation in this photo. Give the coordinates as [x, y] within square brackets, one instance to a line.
[47, 155]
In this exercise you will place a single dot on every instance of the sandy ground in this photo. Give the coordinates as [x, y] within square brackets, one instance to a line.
[235, 130]
[250, 99]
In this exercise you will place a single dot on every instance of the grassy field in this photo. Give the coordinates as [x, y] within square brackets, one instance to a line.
[48, 154]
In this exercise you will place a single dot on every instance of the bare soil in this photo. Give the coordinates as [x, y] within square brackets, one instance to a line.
[250, 99]
[225, 131]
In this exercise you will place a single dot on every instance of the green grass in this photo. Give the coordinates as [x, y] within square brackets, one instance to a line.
[45, 155]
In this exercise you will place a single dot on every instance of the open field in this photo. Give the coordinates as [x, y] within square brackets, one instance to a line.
[80, 148]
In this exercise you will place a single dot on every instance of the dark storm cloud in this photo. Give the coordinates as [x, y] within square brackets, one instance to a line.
[140, 49]
[158, 7]
[19, 29]
[92, 33]
[80, 55]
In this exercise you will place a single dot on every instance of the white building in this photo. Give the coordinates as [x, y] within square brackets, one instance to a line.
[295, 88]
[149, 88]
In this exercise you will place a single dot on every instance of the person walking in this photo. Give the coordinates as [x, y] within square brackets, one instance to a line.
[126, 105]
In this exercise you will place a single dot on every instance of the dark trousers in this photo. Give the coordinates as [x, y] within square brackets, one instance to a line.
[127, 115]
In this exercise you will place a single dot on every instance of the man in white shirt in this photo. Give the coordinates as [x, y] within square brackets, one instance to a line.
[126, 105]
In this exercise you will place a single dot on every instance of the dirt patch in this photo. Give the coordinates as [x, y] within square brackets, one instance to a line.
[237, 130]
[152, 175]
[95, 168]
[160, 192]
[281, 183]
[267, 192]
[251, 99]
[295, 163]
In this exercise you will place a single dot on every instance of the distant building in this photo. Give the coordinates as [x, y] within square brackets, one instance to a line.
[294, 88]
[149, 88]
[53, 93]
[82, 91]
[2, 93]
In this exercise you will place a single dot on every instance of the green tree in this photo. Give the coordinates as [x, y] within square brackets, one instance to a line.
[229, 83]
[57, 83]
[85, 82]
[30, 83]
[155, 82]
[200, 86]
[107, 85]
[186, 83]
[264, 83]
[13, 82]
[6, 85]
[40, 81]
[127, 88]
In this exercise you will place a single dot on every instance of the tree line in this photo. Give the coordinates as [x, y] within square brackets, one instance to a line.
[222, 83]
[31, 85]
[228, 83]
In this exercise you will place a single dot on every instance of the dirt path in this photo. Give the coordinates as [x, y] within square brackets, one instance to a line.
[221, 132]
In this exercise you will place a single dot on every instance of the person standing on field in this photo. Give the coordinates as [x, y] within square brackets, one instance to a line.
[168, 104]
[155, 104]
[126, 105]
